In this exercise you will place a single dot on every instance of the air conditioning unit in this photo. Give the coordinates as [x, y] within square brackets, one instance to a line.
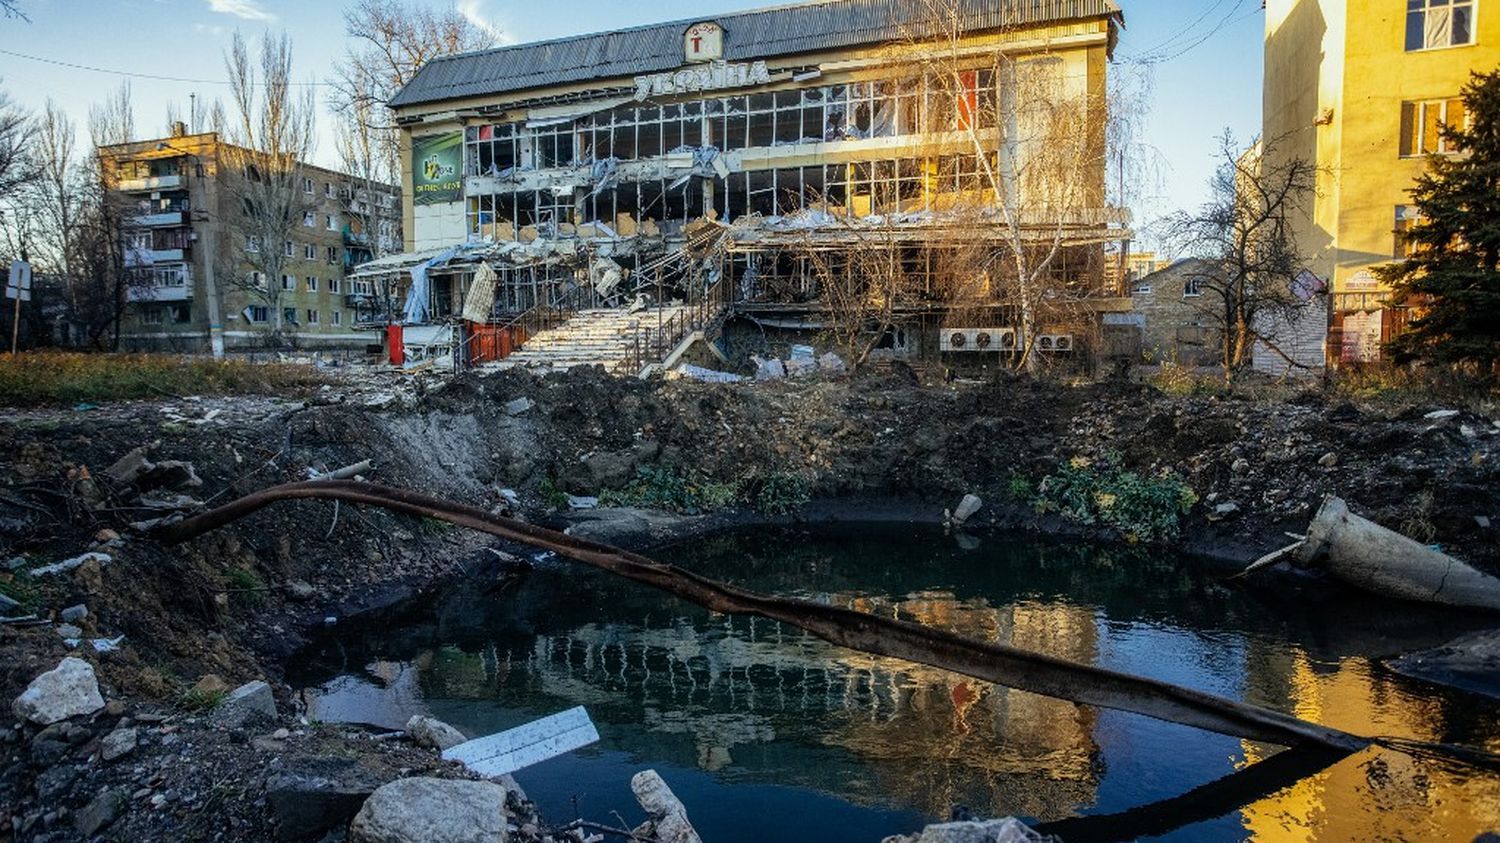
[956, 339]
[977, 339]
[1055, 343]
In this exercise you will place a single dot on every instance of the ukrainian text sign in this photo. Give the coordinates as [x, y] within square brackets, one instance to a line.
[714, 76]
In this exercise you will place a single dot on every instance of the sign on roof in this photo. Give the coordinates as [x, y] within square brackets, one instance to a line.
[703, 42]
[714, 76]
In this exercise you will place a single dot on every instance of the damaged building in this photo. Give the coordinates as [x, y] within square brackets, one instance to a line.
[890, 178]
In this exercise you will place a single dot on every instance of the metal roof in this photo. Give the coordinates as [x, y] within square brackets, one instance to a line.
[755, 34]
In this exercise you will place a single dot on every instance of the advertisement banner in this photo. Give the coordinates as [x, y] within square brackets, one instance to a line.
[437, 166]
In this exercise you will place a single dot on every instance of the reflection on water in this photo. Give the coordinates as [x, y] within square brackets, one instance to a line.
[756, 722]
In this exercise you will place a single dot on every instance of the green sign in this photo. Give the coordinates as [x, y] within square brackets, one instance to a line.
[436, 167]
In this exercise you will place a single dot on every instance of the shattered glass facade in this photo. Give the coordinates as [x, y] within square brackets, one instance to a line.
[668, 183]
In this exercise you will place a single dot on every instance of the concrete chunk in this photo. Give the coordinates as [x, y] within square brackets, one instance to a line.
[68, 690]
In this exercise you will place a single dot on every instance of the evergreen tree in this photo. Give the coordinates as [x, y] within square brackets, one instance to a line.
[1452, 278]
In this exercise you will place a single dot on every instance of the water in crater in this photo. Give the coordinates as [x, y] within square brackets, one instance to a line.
[768, 734]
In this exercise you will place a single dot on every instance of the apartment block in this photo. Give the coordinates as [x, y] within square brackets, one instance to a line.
[191, 287]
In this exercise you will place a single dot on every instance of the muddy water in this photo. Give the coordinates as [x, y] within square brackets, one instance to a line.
[768, 734]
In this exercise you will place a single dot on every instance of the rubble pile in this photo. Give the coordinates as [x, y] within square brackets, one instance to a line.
[122, 727]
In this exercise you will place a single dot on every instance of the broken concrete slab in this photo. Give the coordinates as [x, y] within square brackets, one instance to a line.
[250, 703]
[1470, 662]
[129, 468]
[432, 810]
[531, 743]
[69, 564]
[1368, 556]
[669, 820]
[310, 796]
[967, 508]
[68, 690]
[1007, 830]
[433, 733]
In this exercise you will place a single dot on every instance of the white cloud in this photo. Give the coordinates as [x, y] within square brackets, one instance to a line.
[473, 12]
[208, 29]
[247, 9]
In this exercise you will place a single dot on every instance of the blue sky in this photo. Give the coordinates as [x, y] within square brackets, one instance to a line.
[1199, 60]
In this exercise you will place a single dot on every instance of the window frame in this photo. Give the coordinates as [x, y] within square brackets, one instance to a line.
[1414, 126]
[1428, 6]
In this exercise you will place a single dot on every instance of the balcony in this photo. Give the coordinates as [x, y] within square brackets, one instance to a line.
[151, 183]
[157, 220]
[151, 257]
[154, 293]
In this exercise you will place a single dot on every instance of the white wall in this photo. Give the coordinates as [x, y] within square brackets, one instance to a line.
[438, 226]
[1302, 336]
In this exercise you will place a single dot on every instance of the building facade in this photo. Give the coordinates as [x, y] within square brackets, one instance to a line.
[754, 156]
[1172, 314]
[190, 287]
[1362, 88]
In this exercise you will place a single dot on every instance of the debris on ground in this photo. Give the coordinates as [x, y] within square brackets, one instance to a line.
[170, 634]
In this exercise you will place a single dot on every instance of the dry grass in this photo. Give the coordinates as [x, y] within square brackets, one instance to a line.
[1408, 386]
[40, 378]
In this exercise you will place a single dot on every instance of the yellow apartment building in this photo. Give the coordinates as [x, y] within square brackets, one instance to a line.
[1362, 87]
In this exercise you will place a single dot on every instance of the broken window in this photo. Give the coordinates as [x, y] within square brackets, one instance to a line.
[491, 149]
[552, 146]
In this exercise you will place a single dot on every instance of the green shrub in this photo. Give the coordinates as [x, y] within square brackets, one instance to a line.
[552, 494]
[1019, 488]
[1141, 508]
[243, 579]
[780, 493]
[196, 700]
[22, 590]
[655, 487]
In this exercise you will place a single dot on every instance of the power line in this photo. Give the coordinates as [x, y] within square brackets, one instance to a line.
[1173, 50]
[136, 75]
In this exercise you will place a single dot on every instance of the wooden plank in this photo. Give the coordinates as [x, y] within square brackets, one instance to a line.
[528, 744]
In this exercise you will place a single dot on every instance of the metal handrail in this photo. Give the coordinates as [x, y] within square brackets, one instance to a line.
[651, 344]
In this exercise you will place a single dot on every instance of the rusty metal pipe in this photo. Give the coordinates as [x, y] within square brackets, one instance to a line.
[1003, 665]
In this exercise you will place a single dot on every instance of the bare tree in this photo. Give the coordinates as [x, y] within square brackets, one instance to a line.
[1246, 234]
[61, 220]
[12, 9]
[1013, 154]
[1041, 149]
[113, 121]
[392, 39]
[362, 149]
[17, 128]
[261, 170]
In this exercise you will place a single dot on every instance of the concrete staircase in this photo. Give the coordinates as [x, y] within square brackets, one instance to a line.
[590, 338]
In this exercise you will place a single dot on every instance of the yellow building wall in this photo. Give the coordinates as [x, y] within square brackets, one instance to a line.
[1337, 72]
[1380, 75]
[1304, 68]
